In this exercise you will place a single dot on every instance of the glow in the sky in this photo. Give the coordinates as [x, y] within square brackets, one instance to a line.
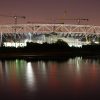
[43, 10]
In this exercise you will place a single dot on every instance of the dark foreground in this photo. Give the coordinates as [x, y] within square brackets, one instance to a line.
[58, 50]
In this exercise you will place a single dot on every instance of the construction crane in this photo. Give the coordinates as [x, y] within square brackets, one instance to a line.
[15, 22]
[71, 19]
[62, 20]
[14, 17]
[76, 19]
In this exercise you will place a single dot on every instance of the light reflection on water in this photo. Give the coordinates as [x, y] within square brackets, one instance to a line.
[30, 78]
[74, 78]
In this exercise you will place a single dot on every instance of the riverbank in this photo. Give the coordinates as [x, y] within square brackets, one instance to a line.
[58, 50]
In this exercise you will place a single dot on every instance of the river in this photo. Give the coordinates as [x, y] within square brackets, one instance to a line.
[71, 79]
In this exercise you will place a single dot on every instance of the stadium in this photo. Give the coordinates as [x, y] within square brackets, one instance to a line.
[17, 35]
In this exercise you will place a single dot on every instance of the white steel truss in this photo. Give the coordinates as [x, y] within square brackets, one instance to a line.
[49, 28]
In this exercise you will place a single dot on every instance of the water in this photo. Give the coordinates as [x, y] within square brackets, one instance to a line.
[73, 79]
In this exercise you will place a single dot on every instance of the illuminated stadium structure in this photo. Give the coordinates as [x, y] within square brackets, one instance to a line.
[75, 35]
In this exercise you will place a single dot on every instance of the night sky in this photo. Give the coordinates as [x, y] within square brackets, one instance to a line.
[45, 10]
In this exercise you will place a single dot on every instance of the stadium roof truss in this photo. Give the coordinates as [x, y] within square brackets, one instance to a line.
[49, 28]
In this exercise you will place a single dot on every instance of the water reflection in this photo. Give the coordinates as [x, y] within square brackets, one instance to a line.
[71, 79]
[30, 78]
